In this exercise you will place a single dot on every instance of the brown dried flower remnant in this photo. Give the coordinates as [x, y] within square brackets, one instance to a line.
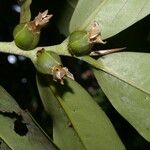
[94, 34]
[40, 21]
[59, 72]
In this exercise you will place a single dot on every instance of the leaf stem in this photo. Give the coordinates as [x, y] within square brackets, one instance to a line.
[60, 49]
[11, 48]
[25, 14]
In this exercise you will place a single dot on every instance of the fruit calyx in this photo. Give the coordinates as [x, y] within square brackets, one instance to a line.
[59, 72]
[39, 22]
[94, 34]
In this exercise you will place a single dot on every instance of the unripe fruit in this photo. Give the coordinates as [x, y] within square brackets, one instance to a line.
[25, 38]
[46, 61]
[26, 35]
[50, 63]
[79, 43]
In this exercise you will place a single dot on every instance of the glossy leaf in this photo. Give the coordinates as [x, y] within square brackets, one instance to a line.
[79, 123]
[125, 79]
[64, 136]
[12, 118]
[112, 16]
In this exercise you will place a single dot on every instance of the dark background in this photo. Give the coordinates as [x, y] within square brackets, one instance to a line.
[18, 77]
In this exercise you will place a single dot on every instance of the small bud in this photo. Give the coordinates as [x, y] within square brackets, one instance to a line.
[50, 63]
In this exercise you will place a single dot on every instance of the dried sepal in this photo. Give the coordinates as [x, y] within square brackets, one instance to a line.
[59, 72]
[40, 21]
[94, 34]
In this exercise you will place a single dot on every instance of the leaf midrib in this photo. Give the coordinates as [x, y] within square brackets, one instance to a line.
[110, 72]
[99, 65]
[67, 115]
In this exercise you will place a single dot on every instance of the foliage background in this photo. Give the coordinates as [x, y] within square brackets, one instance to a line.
[18, 78]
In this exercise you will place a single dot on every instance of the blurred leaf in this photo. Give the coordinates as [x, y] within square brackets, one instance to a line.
[18, 129]
[125, 79]
[25, 14]
[79, 123]
[73, 3]
[99, 96]
[3, 145]
[112, 16]
[63, 22]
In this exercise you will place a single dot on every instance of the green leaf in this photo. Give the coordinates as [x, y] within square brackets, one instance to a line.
[25, 14]
[112, 16]
[30, 137]
[3, 145]
[63, 135]
[125, 79]
[79, 123]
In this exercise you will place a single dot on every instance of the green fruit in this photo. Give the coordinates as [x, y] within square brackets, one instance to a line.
[46, 61]
[50, 63]
[79, 43]
[25, 38]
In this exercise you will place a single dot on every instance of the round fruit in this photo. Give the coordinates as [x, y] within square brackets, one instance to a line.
[26, 35]
[79, 43]
[25, 38]
[46, 61]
